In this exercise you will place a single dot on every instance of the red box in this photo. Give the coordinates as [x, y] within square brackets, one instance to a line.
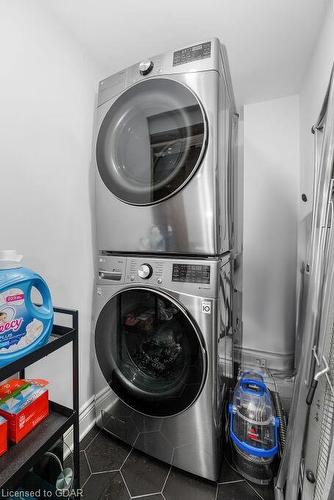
[24, 421]
[11, 386]
[3, 436]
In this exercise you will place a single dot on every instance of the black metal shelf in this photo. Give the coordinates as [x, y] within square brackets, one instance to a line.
[19, 458]
[60, 336]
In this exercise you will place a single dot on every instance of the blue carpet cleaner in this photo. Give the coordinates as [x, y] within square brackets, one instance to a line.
[253, 429]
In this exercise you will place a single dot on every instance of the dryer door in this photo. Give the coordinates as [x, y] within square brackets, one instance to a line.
[151, 141]
[150, 352]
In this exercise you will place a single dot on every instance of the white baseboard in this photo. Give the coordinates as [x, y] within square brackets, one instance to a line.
[86, 423]
[87, 417]
[103, 396]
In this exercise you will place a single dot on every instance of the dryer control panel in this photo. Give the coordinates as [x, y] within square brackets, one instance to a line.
[204, 56]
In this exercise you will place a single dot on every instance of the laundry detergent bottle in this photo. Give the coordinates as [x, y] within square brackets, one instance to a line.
[24, 326]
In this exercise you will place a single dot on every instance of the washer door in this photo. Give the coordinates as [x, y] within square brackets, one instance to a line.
[151, 141]
[149, 352]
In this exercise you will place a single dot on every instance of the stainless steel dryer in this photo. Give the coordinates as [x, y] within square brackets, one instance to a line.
[163, 356]
[163, 154]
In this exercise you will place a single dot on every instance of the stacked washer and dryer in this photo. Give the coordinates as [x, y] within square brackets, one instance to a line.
[166, 225]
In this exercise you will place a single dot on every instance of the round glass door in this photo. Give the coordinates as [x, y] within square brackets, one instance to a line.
[149, 352]
[151, 141]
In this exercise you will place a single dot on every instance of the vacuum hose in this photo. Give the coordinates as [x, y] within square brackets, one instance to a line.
[282, 430]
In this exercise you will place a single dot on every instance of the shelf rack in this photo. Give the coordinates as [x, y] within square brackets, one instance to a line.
[22, 456]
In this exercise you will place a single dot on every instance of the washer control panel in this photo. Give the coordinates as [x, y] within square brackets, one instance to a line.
[191, 273]
[189, 276]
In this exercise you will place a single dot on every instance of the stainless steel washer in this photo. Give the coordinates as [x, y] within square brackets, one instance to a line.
[163, 356]
[164, 155]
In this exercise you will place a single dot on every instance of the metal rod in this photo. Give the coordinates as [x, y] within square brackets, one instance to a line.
[75, 389]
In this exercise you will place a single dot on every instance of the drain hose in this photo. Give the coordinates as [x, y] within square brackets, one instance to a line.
[282, 430]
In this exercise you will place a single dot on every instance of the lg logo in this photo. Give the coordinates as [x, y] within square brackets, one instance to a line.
[206, 307]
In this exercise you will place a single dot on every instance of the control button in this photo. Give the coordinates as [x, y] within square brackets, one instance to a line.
[145, 67]
[145, 271]
[132, 278]
[159, 281]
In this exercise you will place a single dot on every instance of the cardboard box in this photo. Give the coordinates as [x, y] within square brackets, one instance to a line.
[24, 410]
[3, 436]
[11, 386]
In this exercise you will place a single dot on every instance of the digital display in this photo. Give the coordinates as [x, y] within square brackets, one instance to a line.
[189, 273]
[194, 53]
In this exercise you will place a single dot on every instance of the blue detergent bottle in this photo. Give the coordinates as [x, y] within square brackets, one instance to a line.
[23, 326]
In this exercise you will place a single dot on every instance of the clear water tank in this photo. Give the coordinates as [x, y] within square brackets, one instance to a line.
[253, 427]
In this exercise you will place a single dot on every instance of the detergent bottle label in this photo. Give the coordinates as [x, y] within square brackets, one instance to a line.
[18, 328]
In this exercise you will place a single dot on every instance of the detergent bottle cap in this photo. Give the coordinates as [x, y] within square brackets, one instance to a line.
[10, 259]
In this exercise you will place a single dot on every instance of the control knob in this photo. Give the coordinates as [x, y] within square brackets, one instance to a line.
[145, 67]
[145, 271]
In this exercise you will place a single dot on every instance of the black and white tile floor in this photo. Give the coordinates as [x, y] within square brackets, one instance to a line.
[111, 470]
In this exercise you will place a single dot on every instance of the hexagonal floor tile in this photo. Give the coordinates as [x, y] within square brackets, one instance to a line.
[84, 467]
[108, 485]
[151, 497]
[266, 492]
[144, 475]
[236, 491]
[89, 437]
[181, 485]
[228, 473]
[106, 454]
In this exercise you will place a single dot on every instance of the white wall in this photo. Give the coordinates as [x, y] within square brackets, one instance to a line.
[271, 187]
[47, 102]
[269, 42]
